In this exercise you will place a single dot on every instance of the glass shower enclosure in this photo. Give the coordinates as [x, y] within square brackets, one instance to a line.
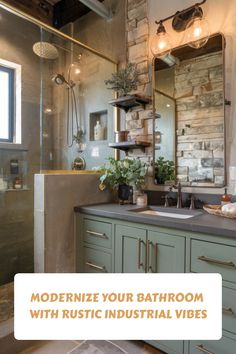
[59, 98]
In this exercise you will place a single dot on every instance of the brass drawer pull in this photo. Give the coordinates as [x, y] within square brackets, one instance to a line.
[140, 264]
[149, 267]
[216, 261]
[228, 311]
[149, 243]
[98, 234]
[156, 251]
[203, 350]
[92, 265]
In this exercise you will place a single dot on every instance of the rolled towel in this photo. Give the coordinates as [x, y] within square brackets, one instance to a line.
[229, 208]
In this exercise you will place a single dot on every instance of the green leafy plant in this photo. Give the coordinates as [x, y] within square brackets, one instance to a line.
[131, 172]
[124, 81]
[164, 170]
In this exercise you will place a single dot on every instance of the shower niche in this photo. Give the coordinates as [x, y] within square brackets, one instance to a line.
[98, 126]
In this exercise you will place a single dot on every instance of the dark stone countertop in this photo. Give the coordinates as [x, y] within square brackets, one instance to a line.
[201, 222]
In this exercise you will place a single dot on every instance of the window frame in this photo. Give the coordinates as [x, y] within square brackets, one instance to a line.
[11, 98]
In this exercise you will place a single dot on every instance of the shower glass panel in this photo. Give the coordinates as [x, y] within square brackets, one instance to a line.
[20, 158]
[58, 101]
[74, 104]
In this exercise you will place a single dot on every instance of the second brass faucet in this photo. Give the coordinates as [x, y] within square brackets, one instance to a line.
[179, 194]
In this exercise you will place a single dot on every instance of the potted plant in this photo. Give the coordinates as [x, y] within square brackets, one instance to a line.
[123, 175]
[124, 81]
[164, 170]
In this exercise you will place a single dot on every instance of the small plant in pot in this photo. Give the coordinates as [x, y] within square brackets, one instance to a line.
[123, 175]
[124, 81]
[164, 170]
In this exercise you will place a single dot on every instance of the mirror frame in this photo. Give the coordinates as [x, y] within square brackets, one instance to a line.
[224, 110]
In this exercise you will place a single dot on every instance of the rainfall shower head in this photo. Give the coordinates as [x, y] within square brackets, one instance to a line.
[45, 50]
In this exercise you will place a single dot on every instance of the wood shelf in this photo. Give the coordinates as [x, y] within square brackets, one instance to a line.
[130, 101]
[129, 145]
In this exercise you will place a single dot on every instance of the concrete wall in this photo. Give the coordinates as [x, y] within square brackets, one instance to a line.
[55, 199]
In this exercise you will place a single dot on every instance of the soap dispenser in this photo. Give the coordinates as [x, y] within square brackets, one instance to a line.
[226, 198]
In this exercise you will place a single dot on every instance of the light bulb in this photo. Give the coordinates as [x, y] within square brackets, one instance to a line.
[197, 32]
[161, 42]
[74, 72]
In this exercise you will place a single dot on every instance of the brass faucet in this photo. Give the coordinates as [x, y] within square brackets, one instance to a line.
[179, 194]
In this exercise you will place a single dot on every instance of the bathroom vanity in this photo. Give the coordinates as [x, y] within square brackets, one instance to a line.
[127, 239]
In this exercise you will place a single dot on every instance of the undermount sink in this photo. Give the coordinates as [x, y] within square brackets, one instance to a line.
[167, 212]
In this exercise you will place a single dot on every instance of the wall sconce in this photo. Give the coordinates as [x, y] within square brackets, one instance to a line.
[191, 21]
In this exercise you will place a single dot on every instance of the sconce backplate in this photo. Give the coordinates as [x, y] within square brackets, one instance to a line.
[181, 19]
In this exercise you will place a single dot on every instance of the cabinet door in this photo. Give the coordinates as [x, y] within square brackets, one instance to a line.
[213, 257]
[166, 253]
[96, 261]
[170, 347]
[130, 249]
[97, 233]
[224, 346]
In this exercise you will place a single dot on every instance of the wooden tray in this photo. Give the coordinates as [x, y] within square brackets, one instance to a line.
[216, 210]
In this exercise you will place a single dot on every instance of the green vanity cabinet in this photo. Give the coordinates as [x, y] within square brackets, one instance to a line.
[130, 249]
[139, 250]
[94, 244]
[107, 244]
[166, 254]
[217, 255]
[96, 260]
[225, 345]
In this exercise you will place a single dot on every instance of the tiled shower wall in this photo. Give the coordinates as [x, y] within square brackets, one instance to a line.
[16, 206]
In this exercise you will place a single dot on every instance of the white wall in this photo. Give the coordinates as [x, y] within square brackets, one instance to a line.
[221, 16]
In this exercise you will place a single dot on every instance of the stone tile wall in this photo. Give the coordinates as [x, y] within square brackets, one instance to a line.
[200, 147]
[139, 120]
[200, 120]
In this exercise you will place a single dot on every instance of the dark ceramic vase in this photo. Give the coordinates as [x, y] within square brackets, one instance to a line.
[160, 180]
[124, 193]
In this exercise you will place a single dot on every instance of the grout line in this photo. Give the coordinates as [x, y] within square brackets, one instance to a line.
[77, 346]
[108, 341]
[117, 346]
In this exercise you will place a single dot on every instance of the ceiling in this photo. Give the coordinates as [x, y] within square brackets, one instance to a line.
[53, 2]
[57, 13]
[66, 11]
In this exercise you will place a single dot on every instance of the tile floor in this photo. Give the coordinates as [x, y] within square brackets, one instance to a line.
[92, 347]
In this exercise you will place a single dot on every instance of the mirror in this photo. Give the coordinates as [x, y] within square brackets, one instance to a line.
[188, 128]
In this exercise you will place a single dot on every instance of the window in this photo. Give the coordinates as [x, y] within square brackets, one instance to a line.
[10, 103]
[6, 103]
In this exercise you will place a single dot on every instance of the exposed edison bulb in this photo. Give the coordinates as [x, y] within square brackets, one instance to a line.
[197, 32]
[161, 42]
[74, 72]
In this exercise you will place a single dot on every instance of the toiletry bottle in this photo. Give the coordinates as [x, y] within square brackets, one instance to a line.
[1, 180]
[17, 183]
[14, 167]
[226, 198]
[98, 131]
